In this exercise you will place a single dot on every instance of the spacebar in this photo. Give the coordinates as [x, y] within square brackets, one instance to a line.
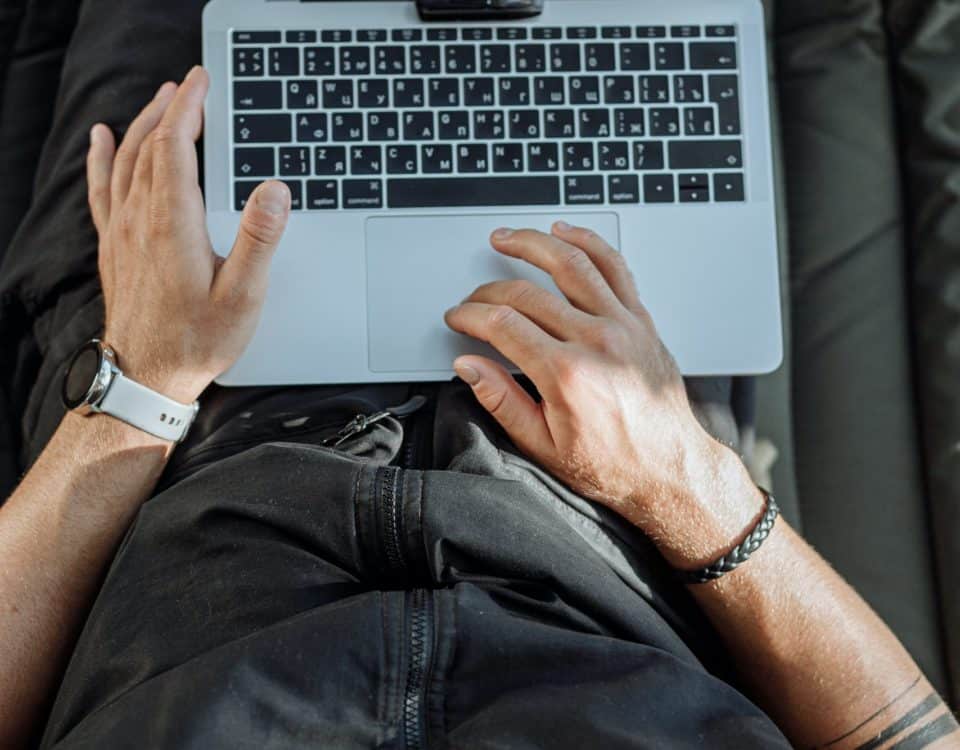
[459, 192]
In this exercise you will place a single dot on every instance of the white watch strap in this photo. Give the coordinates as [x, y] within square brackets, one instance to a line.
[135, 404]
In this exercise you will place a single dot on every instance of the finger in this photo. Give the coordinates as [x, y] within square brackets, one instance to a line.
[611, 264]
[514, 335]
[143, 171]
[176, 174]
[99, 169]
[554, 315]
[571, 268]
[129, 149]
[507, 402]
[245, 273]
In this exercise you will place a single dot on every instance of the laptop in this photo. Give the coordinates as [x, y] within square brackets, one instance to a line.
[409, 131]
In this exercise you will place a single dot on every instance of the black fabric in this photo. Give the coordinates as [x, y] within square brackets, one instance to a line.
[858, 459]
[926, 40]
[260, 603]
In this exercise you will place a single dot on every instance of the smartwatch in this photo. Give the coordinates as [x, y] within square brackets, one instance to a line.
[94, 384]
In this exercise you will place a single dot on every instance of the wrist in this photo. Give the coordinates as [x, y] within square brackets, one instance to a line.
[712, 505]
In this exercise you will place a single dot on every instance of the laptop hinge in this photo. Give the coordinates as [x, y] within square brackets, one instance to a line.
[478, 10]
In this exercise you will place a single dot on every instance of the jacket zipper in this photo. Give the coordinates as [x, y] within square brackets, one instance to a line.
[419, 606]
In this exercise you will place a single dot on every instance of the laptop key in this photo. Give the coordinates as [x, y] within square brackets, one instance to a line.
[658, 188]
[601, 57]
[478, 34]
[721, 31]
[329, 160]
[473, 158]
[665, 121]
[584, 89]
[319, 61]
[354, 61]
[684, 32]
[254, 162]
[698, 121]
[524, 123]
[375, 92]
[406, 35]
[372, 35]
[616, 32]
[383, 126]
[489, 125]
[728, 187]
[336, 36]
[444, 92]
[391, 60]
[284, 61]
[583, 190]
[425, 59]
[651, 32]
[302, 95]
[531, 58]
[296, 194]
[496, 58]
[256, 37]
[688, 89]
[559, 123]
[635, 56]
[478, 92]
[624, 188]
[301, 37]
[725, 93]
[565, 58]
[366, 160]
[418, 126]
[594, 123]
[578, 157]
[312, 127]
[347, 127]
[437, 159]
[581, 32]
[408, 93]
[338, 94]
[442, 35]
[512, 33]
[654, 89]
[551, 90]
[359, 194]
[648, 155]
[242, 190]
[248, 62]
[669, 56]
[514, 91]
[322, 195]
[257, 95]
[629, 122]
[713, 55]
[262, 128]
[460, 58]
[295, 161]
[454, 126]
[401, 159]
[714, 154]
[613, 155]
[467, 192]
[548, 32]
[543, 157]
[508, 157]
[619, 90]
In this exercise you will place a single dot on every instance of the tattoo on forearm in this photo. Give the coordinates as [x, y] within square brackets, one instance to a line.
[906, 721]
[927, 735]
[874, 715]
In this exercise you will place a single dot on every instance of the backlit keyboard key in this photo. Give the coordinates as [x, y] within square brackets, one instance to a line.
[262, 128]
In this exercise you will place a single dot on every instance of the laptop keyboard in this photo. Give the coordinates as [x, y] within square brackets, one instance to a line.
[471, 117]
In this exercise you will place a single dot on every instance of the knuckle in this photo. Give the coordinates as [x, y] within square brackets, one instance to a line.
[575, 261]
[502, 317]
[164, 137]
[520, 291]
[608, 337]
[261, 227]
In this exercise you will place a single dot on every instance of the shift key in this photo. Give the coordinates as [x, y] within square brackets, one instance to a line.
[714, 154]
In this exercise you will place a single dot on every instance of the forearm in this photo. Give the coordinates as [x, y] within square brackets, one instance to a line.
[58, 532]
[813, 654]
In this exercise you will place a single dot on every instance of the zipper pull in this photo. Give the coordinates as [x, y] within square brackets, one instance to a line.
[362, 422]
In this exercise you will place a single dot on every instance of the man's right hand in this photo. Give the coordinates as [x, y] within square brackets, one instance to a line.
[614, 422]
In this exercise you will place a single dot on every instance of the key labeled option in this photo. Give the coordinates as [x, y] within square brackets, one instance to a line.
[624, 188]
[322, 194]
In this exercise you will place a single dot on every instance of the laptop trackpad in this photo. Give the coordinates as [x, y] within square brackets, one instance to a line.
[420, 266]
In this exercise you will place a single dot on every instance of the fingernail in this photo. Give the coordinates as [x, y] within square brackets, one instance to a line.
[93, 133]
[274, 198]
[503, 234]
[563, 226]
[192, 73]
[467, 374]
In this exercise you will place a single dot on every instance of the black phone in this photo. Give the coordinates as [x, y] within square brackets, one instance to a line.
[455, 10]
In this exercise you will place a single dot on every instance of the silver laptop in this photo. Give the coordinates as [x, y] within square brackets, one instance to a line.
[406, 142]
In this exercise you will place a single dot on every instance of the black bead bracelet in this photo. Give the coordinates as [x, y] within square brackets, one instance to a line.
[739, 554]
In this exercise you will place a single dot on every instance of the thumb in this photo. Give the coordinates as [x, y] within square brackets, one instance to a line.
[507, 402]
[261, 228]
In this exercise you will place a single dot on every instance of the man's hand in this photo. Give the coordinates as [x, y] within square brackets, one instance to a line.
[177, 315]
[614, 422]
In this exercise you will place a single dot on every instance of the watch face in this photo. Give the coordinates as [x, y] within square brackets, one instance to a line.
[81, 374]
